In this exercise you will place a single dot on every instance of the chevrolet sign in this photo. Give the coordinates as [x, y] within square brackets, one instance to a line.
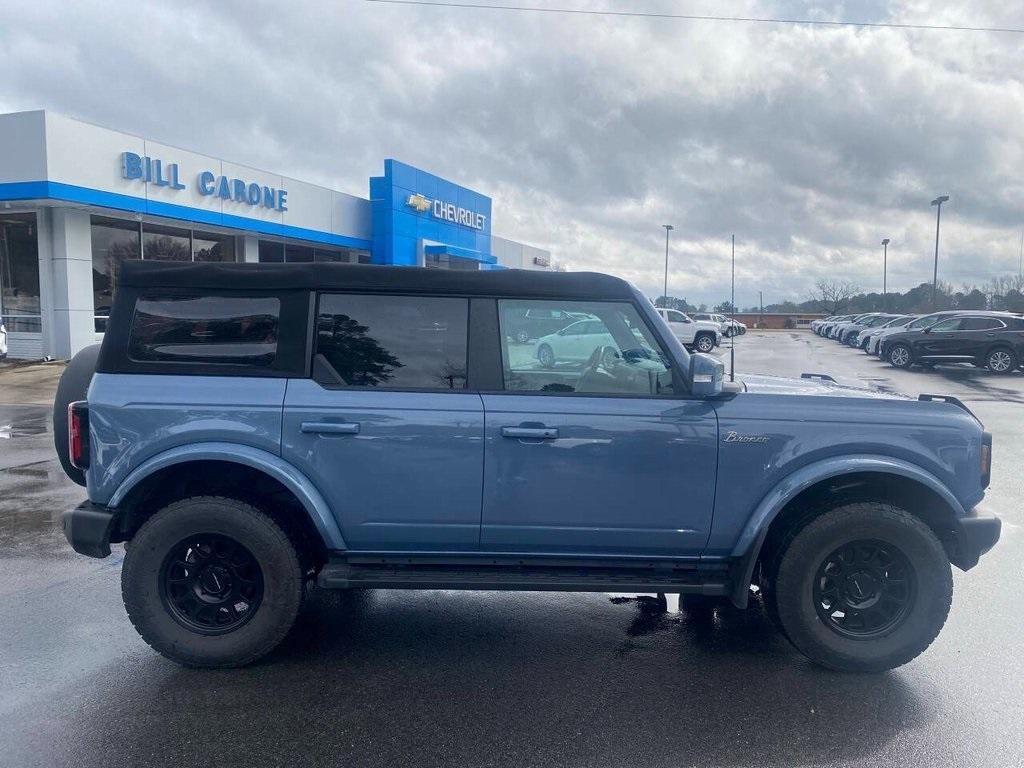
[445, 211]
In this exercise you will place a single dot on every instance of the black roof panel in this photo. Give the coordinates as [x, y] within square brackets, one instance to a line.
[360, 277]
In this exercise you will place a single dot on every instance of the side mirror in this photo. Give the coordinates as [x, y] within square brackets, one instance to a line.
[707, 375]
[926, 330]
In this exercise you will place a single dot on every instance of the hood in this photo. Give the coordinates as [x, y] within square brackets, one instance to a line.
[779, 385]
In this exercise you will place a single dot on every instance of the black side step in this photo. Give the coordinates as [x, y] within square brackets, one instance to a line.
[702, 580]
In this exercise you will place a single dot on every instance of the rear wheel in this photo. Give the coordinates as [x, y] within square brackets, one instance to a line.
[1001, 360]
[900, 356]
[864, 587]
[212, 582]
[522, 336]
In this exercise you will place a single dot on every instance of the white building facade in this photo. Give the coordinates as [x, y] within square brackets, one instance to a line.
[76, 200]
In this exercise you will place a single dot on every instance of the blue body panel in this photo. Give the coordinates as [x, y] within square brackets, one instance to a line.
[381, 470]
[410, 478]
[133, 418]
[817, 431]
[625, 476]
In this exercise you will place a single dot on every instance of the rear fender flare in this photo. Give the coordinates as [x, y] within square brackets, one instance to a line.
[749, 544]
[274, 466]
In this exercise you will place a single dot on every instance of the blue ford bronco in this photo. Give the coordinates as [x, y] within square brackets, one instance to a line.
[253, 430]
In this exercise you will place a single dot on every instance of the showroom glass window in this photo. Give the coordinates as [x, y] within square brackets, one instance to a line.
[116, 240]
[19, 272]
[582, 347]
[275, 252]
[396, 342]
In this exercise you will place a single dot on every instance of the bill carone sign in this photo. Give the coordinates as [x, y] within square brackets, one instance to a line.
[150, 170]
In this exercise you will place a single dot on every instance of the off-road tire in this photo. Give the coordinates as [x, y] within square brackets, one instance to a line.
[795, 566]
[269, 545]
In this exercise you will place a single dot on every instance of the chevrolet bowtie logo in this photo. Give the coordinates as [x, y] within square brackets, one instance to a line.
[418, 202]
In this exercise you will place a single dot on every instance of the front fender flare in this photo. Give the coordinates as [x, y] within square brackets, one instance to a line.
[748, 546]
[274, 466]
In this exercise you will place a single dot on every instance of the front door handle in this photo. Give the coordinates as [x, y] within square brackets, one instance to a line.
[534, 433]
[330, 428]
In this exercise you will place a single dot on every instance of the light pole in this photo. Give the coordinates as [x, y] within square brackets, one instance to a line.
[885, 264]
[760, 304]
[732, 315]
[668, 228]
[937, 202]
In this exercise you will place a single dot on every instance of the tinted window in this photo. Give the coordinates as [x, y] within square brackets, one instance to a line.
[411, 342]
[950, 324]
[980, 324]
[613, 353]
[205, 329]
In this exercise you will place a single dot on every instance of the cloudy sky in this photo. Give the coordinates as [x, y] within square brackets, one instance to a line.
[811, 144]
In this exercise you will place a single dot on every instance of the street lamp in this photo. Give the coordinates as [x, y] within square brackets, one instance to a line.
[885, 260]
[937, 202]
[668, 228]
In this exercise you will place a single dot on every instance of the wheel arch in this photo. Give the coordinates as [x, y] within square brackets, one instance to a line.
[801, 496]
[222, 467]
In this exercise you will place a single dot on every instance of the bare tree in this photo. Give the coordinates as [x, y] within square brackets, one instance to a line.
[832, 295]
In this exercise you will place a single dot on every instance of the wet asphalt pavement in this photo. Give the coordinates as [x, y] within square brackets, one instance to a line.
[394, 678]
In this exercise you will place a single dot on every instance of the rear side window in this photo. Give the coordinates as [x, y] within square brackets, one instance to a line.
[212, 330]
[980, 324]
[397, 342]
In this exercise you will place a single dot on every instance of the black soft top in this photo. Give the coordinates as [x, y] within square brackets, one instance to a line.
[518, 283]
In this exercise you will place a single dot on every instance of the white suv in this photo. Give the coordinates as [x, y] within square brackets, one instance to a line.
[701, 335]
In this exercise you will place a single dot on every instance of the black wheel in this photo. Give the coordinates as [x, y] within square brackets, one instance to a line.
[211, 582]
[522, 336]
[1001, 360]
[704, 342]
[865, 587]
[900, 356]
[546, 356]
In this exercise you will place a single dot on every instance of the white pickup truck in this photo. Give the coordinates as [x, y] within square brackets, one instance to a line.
[692, 334]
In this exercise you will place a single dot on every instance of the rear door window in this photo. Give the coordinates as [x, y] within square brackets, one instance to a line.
[211, 330]
[394, 342]
[981, 324]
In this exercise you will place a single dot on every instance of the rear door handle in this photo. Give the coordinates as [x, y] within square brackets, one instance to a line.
[535, 433]
[330, 428]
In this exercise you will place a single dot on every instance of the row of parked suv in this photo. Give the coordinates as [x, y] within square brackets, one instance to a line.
[992, 340]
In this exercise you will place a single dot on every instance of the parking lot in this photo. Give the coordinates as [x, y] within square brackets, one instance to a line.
[395, 678]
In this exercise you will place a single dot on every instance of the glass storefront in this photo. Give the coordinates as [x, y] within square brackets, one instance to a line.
[115, 240]
[19, 272]
[277, 251]
[444, 261]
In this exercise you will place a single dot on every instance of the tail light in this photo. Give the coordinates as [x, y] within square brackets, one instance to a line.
[78, 434]
[986, 460]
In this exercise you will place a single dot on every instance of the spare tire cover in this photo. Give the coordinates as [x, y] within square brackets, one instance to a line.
[73, 385]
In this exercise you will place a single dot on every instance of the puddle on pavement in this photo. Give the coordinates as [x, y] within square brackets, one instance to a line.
[27, 427]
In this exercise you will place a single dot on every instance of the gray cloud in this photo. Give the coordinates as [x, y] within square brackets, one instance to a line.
[811, 144]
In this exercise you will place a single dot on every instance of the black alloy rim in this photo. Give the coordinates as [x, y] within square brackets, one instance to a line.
[864, 589]
[211, 584]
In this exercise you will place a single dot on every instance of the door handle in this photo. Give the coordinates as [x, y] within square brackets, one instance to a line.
[535, 433]
[329, 428]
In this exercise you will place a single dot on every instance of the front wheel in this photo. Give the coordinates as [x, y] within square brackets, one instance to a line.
[865, 587]
[546, 356]
[900, 356]
[704, 342]
[1001, 360]
[212, 582]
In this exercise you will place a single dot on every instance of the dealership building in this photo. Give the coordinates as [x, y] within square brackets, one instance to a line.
[76, 200]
